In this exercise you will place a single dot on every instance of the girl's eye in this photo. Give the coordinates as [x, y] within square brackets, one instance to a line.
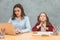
[40, 16]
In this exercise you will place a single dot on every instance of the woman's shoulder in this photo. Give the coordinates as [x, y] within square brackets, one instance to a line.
[26, 17]
[10, 18]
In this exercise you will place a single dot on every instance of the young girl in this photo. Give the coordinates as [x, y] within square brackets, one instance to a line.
[43, 23]
[20, 20]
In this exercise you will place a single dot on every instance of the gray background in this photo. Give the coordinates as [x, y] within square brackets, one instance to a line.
[32, 9]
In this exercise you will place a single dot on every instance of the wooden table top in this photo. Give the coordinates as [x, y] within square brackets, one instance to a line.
[30, 36]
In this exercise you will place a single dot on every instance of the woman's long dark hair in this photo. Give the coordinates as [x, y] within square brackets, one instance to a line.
[22, 11]
[47, 21]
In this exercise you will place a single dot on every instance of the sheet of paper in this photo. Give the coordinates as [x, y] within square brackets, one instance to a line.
[43, 33]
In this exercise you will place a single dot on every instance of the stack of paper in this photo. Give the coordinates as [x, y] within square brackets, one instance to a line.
[43, 33]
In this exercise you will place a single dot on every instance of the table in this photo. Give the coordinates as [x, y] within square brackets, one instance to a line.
[30, 36]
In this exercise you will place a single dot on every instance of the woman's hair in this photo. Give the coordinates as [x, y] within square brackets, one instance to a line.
[22, 11]
[47, 21]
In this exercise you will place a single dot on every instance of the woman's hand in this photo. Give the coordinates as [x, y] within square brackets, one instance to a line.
[18, 31]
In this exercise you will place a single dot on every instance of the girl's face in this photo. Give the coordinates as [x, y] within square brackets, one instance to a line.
[42, 17]
[17, 11]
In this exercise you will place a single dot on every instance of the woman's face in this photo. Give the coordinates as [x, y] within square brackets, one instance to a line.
[17, 11]
[42, 17]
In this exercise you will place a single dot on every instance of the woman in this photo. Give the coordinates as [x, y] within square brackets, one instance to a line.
[20, 20]
[43, 23]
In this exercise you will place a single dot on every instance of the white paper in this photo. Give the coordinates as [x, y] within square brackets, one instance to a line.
[43, 33]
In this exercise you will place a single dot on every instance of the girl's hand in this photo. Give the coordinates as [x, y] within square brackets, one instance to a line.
[40, 25]
[46, 28]
[54, 29]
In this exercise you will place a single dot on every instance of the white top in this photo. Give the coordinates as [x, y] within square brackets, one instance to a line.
[23, 24]
[43, 29]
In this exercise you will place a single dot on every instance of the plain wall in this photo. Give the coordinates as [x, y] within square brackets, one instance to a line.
[32, 9]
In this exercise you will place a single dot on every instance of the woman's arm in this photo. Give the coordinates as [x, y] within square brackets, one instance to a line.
[28, 26]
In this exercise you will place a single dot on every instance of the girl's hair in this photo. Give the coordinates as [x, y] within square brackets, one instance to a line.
[22, 11]
[47, 21]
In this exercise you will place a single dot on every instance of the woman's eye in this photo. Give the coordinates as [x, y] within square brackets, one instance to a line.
[16, 10]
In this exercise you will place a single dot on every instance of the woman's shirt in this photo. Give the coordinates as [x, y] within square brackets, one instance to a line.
[23, 25]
